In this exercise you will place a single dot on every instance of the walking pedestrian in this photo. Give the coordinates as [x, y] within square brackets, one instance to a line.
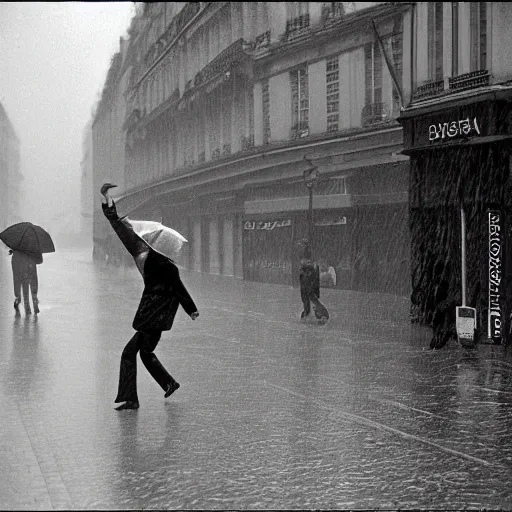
[24, 273]
[163, 293]
[309, 276]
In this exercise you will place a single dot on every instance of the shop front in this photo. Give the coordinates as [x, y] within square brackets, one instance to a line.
[460, 186]
[267, 249]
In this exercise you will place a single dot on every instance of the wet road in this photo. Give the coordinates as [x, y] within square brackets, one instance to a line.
[271, 413]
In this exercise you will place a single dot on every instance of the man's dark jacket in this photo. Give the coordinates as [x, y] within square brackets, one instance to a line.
[163, 289]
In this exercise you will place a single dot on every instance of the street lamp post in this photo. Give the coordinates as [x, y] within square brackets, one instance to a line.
[311, 176]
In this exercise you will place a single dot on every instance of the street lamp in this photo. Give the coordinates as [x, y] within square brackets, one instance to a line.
[311, 176]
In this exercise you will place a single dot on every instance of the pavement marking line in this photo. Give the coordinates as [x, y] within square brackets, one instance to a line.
[492, 390]
[250, 317]
[220, 338]
[407, 407]
[62, 492]
[381, 426]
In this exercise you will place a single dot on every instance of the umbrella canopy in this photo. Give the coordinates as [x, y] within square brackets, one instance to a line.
[28, 238]
[160, 238]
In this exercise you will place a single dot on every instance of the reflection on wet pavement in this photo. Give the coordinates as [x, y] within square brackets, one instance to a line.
[272, 413]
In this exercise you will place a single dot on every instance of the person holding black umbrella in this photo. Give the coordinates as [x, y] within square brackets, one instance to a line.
[27, 243]
[153, 247]
[309, 276]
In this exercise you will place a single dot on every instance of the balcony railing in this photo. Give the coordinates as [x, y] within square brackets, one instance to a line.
[132, 119]
[223, 62]
[374, 113]
[428, 89]
[186, 14]
[226, 149]
[262, 41]
[300, 130]
[189, 160]
[296, 26]
[174, 28]
[333, 10]
[247, 142]
[469, 80]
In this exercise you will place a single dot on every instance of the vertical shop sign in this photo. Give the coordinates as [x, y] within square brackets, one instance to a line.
[494, 320]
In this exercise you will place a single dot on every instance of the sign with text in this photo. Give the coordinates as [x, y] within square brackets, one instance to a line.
[494, 317]
[465, 324]
[453, 129]
[267, 225]
[447, 125]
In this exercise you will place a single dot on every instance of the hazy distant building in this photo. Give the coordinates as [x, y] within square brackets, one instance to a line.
[86, 184]
[108, 140]
[10, 173]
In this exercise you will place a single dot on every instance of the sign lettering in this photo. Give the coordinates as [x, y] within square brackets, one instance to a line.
[452, 129]
[494, 319]
[266, 225]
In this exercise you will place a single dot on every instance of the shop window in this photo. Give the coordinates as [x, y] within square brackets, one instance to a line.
[478, 35]
[300, 102]
[435, 40]
[333, 93]
[265, 100]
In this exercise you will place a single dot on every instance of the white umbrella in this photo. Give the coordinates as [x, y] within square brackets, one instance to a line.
[160, 238]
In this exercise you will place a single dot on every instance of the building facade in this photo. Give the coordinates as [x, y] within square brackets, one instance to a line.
[457, 130]
[86, 184]
[10, 172]
[225, 100]
[108, 150]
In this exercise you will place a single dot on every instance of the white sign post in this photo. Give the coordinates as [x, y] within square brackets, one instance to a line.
[466, 316]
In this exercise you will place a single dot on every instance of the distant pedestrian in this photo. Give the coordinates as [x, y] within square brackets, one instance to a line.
[309, 276]
[24, 272]
[163, 293]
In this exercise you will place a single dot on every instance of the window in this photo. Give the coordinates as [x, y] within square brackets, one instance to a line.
[455, 38]
[300, 102]
[296, 9]
[297, 17]
[200, 133]
[214, 123]
[333, 93]
[265, 101]
[395, 44]
[373, 73]
[333, 9]
[478, 35]
[435, 40]
[226, 98]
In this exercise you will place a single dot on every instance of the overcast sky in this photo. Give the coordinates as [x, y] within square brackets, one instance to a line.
[53, 61]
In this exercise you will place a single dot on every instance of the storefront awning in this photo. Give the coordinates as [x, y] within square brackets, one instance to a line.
[459, 144]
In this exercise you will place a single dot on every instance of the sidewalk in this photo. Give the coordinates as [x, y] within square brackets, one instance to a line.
[272, 413]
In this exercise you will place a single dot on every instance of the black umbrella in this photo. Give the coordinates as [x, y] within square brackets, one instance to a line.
[28, 238]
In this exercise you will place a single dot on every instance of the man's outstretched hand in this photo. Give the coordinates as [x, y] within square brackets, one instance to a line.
[194, 315]
[105, 188]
